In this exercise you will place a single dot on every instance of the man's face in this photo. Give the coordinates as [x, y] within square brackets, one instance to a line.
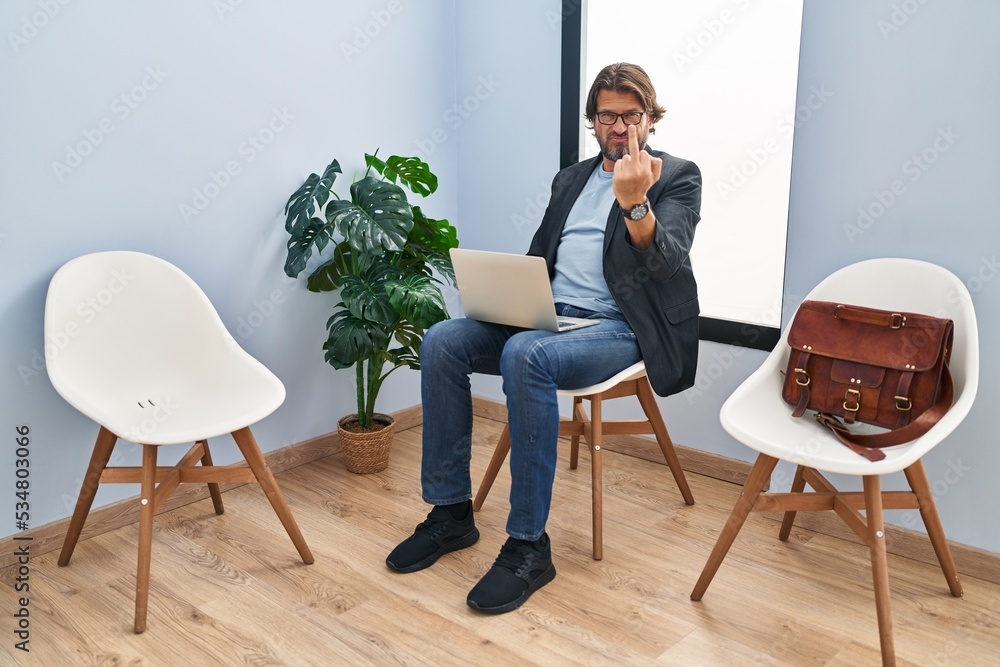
[613, 139]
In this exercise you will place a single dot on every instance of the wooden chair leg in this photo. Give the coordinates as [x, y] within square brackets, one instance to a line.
[213, 487]
[917, 479]
[146, 495]
[798, 486]
[499, 456]
[255, 459]
[648, 402]
[574, 441]
[759, 475]
[880, 566]
[596, 476]
[98, 462]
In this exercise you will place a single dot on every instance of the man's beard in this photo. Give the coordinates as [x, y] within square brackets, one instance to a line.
[615, 153]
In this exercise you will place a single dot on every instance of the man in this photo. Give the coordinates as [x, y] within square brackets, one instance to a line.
[616, 237]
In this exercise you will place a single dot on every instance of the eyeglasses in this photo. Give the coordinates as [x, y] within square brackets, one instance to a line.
[629, 117]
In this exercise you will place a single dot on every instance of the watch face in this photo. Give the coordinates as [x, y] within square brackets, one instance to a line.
[638, 212]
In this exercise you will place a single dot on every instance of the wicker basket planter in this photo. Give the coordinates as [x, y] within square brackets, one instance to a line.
[366, 452]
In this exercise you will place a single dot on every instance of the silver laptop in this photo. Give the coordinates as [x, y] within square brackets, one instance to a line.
[509, 289]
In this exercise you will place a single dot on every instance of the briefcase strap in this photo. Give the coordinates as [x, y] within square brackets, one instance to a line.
[869, 445]
[802, 379]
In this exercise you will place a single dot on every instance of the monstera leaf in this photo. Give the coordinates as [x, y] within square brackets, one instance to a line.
[408, 354]
[437, 235]
[376, 219]
[300, 245]
[412, 172]
[327, 277]
[416, 298]
[368, 299]
[352, 340]
[302, 206]
[429, 242]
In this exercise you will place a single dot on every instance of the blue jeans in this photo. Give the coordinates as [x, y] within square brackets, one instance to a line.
[533, 364]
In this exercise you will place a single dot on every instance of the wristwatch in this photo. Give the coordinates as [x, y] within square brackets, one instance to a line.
[639, 211]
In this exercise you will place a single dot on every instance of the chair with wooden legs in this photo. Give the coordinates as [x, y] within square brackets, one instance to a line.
[630, 382]
[137, 347]
[757, 416]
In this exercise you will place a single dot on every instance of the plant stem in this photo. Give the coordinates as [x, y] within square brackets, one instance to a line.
[363, 421]
[374, 383]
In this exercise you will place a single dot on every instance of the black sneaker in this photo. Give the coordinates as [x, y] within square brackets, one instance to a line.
[521, 569]
[441, 533]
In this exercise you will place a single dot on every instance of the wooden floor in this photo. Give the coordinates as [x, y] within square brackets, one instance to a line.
[229, 590]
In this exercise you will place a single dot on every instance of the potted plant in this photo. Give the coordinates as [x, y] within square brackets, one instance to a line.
[382, 254]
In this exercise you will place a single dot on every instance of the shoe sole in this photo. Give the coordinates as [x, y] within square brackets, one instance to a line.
[541, 580]
[463, 542]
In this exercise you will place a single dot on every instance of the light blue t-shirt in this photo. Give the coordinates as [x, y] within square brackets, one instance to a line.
[579, 277]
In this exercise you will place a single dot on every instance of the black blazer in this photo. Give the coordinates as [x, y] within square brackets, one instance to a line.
[654, 288]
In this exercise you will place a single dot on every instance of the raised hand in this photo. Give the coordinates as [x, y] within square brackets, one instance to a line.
[635, 173]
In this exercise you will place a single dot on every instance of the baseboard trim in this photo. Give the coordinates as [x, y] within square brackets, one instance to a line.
[970, 561]
[912, 544]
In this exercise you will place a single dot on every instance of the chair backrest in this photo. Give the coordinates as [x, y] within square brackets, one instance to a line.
[913, 286]
[125, 325]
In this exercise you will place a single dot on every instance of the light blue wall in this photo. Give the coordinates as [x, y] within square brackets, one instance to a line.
[509, 151]
[893, 90]
[309, 80]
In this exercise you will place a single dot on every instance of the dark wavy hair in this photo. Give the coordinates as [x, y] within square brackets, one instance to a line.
[624, 78]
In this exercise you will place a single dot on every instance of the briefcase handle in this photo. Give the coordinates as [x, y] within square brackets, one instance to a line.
[878, 318]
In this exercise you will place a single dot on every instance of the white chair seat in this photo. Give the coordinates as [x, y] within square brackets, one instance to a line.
[633, 372]
[175, 412]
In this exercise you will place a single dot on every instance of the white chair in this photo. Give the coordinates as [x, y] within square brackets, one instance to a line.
[757, 416]
[134, 344]
[631, 381]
